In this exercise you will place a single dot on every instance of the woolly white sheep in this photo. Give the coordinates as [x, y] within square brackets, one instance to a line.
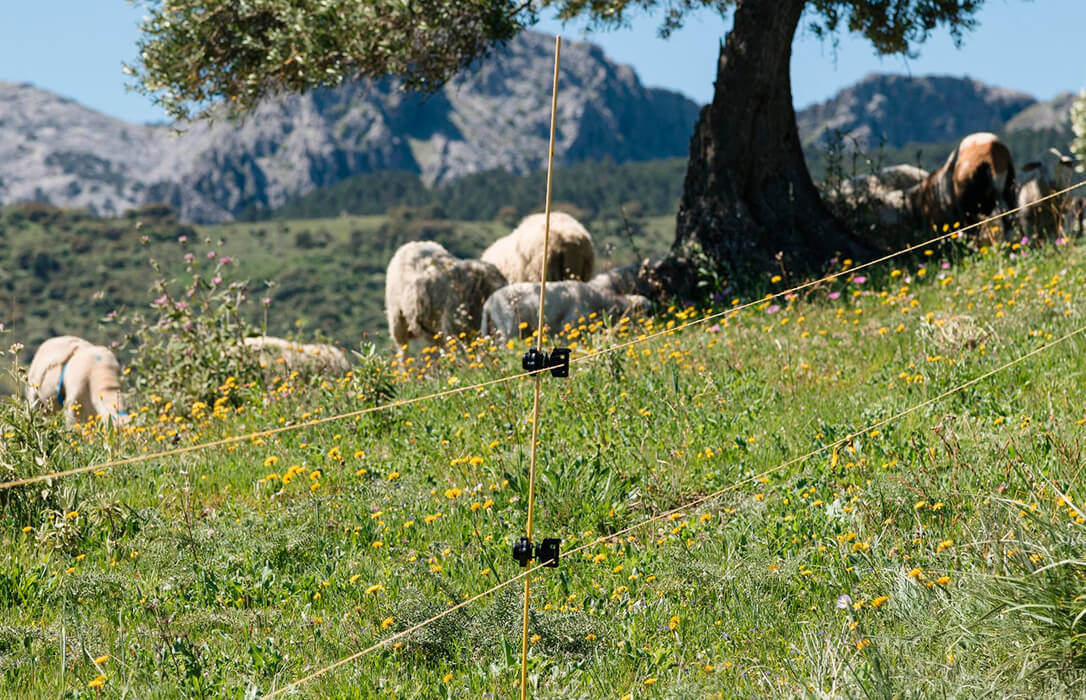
[84, 379]
[430, 294]
[317, 358]
[628, 279]
[513, 311]
[518, 255]
[880, 197]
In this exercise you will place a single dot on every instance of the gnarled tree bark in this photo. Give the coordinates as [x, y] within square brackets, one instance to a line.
[749, 202]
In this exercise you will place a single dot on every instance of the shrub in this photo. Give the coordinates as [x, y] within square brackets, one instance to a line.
[192, 342]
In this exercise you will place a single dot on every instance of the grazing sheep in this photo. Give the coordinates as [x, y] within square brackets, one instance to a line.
[519, 255]
[877, 203]
[883, 192]
[977, 176]
[628, 279]
[315, 358]
[1050, 173]
[513, 311]
[84, 379]
[429, 293]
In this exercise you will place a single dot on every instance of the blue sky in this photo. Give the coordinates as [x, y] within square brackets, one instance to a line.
[75, 48]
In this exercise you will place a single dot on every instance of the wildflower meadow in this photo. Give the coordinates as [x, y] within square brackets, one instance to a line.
[938, 554]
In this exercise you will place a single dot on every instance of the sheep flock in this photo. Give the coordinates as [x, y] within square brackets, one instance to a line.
[430, 295]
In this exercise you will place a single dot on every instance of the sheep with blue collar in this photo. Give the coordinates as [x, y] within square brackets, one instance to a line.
[71, 374]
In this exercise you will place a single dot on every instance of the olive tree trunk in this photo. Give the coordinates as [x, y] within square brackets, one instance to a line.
[749, 202]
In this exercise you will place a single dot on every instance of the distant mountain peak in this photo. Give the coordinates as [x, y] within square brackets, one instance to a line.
[899, 109]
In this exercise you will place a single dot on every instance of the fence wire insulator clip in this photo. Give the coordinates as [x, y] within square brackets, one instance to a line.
[557, 361]
[546, 552]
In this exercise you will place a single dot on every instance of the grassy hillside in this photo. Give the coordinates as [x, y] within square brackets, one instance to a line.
[895, 561]
[63, 271]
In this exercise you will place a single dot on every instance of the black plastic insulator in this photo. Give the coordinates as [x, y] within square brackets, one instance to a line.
[534, 360]
[522, 551]
[547, 552]
[558, 362]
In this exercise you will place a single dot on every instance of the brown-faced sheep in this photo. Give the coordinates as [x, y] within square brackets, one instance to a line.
[977, 176]
[309, 358]
[513, 311]
[84, 379]
[430, 294]
[520, 254]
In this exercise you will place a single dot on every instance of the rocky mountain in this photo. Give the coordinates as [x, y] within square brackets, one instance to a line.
[894, 110]
[1054, 115]
[494, 116]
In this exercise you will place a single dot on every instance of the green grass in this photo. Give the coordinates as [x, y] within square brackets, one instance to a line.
[204, 576]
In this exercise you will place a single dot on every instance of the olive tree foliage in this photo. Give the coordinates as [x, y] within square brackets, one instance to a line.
[194, 53]
[1078, 125]
[892, 26]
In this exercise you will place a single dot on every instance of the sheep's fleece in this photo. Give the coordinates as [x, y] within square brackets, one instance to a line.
[430, 293]
[567, 303]
[318, 358]
[519, 255]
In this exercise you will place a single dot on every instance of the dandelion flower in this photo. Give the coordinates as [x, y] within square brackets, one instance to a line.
[879, 601]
